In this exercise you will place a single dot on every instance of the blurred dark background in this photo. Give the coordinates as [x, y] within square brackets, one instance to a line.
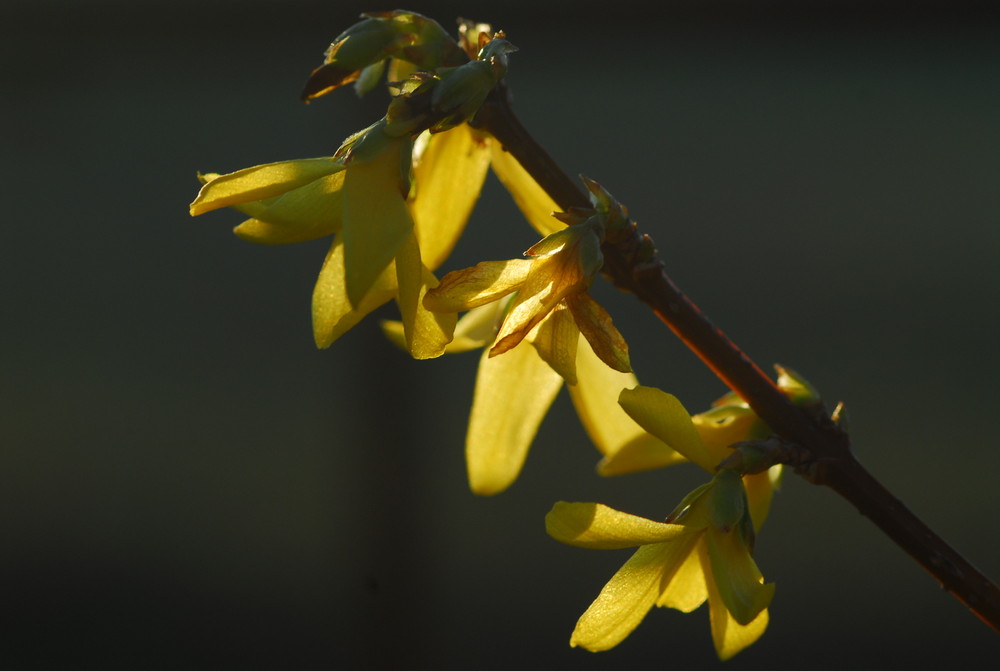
[187, 483]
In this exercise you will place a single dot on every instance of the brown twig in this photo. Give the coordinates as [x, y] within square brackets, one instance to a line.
[833, 462]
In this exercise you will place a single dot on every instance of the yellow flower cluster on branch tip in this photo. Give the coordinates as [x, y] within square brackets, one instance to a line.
[701, 553]
[395, 198]
[703, 549]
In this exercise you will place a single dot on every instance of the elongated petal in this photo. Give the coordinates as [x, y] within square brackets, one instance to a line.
[624, 601]
[597, 526]
[427, 333]
[686, 590]
[448, 178]
[309, 212]
[643, 453]
[760, 491]
[550, 279]
[476, 328]
[261, 181]
[626, 447]
[736, 576]
[663, 416]
[728, 635]
[555, 339]
[536, 205]
[596, 326]
[333, 314]
[376, 221]
[481, 284]
[513, 393]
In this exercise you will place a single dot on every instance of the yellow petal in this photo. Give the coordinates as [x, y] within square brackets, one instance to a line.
[306, 213]
[555, 339]
[261, 181]
[686, 589]
[722, 426]
[728, 635]
[597, 526]
[376, 221]
[333, 314]
[427, 333]
[625, 445]
[513, 393]
[448, 179]
[663, 416]
[596, 326]
[624, 601]
[477, 327]
[549, 280]
[760, 491]
[536, 205]
[471, 287]
[736, 576]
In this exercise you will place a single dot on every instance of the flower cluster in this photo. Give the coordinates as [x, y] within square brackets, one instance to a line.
[703, 549]
[395, 198]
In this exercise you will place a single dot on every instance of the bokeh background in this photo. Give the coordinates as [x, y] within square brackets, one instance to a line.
[187, 483]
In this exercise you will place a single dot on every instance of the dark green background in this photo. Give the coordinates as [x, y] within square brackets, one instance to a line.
[186, 483]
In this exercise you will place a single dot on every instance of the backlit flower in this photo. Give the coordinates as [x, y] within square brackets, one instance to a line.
[558, 274]
[702, 552]
[358, 195]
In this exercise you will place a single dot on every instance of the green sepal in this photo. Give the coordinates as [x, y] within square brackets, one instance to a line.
[680, 512]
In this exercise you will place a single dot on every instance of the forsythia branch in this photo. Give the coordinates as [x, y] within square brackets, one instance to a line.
[632, 264]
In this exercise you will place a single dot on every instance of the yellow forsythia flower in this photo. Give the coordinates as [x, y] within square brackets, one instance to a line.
[701, 553]
[361, 200]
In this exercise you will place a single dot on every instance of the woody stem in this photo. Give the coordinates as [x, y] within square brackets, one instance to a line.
[832, 461]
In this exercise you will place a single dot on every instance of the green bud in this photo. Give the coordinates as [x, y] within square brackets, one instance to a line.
[614, 213]
[796, 387]
[399, 34]
[369, 78]
[460, 94]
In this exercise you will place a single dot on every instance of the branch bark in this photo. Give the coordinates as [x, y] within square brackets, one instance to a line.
[832, 463]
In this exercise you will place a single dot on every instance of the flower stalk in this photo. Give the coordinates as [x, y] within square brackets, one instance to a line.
[630, 261]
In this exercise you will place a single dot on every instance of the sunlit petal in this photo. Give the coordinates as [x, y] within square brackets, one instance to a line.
[464, 289]
[663, 416]
[728, 635]
[722, 426]
[260, 181]
[309, 212]
[555, 339]
[376, 221]
[513, 393]
[596, 326]
[536, 205]
[477, 327]
[760, 491]
[626, 447]
[624, 601]
[448, 178]
[736, 576]
[548, 282]
[333, 314]
[685, 590]
[597, 526]
[427, 333]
